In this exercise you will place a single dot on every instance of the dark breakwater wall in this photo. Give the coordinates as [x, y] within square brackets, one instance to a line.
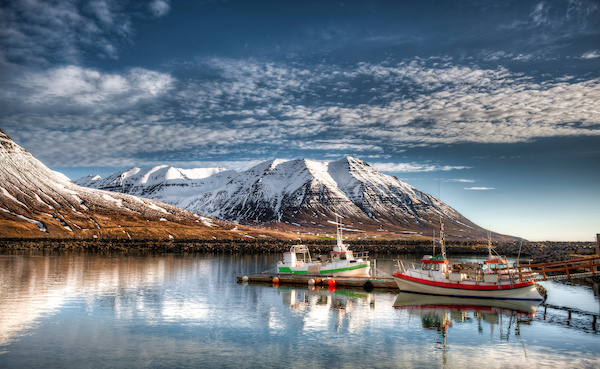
[536, 251]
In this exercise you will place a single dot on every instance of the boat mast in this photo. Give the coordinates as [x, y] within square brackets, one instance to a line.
[442, 245]
[339, 230]
[340, 241]
[489, 244]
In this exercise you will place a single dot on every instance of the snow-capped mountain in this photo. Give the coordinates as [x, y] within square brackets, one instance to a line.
[38, 202]
[162, 183]
[302, 195]
[307, 193]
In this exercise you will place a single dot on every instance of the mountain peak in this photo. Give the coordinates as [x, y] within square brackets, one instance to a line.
[302, 194]
[37, 202]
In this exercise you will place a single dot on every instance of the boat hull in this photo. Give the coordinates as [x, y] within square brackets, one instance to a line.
[359, 270]
[519, 291]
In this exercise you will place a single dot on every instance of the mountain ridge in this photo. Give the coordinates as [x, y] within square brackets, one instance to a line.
[300, 195]
[40, 203]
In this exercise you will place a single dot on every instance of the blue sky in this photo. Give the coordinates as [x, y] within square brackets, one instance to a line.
[494, 106]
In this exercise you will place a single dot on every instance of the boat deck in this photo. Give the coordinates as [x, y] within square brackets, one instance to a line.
[319, 280]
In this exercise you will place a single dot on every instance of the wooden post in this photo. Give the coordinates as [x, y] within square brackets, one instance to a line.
[597, 244]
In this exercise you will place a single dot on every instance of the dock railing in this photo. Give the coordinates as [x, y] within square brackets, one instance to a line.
[361, 255]
[565, 269]
[404, 265]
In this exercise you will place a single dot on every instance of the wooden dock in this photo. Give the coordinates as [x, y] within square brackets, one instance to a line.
[566, 269]
[368, 283]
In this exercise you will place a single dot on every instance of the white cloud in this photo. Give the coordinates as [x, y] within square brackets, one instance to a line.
[160, 8]
[472, 105]
[413, 167]
[336, 145]
[89, 88]
[480, 188]
[460, 180]
[539, 15]
[591, 55]
[423, 105]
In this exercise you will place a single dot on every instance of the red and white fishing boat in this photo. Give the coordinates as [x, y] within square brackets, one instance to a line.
[492, 279]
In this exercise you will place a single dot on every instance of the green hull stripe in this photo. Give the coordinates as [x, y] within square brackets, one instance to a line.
[326, 271]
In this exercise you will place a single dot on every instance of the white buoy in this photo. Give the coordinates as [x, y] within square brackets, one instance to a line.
[245, 278]
[311, 282]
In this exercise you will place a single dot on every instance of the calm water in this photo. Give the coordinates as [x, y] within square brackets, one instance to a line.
[76, 310]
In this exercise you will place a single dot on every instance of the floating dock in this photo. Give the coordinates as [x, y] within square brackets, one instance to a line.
[368, 283]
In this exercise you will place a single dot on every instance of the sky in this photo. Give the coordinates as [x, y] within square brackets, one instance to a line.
[491, 106]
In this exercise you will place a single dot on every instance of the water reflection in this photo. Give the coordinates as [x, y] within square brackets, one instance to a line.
[34, 286]
[325, 309]
[125, 310]
[439, 313]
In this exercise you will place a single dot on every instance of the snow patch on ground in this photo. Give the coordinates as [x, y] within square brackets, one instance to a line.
[157, 208]
[39, 199]
[40, 225]
[5, 193]
[117, 202]
[206, 221]
[62, 221]
[95, 223]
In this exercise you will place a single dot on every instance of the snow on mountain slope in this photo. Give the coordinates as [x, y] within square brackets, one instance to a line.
[38, 202]
[302, 195]
[307, 193]
[163, 183]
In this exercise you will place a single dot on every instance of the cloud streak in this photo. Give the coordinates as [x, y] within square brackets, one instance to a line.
[74, 86]
[414, 167]
[252, 108]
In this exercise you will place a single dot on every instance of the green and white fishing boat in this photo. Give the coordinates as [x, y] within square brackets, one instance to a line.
[342, 261]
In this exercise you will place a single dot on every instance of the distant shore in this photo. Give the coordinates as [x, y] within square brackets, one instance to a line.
[535, 251]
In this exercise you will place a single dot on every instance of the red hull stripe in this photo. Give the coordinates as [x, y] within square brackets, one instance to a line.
[460, 286]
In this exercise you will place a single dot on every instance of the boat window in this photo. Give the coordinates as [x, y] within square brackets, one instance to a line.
[343, 256]
[435, 266]
[424, 266]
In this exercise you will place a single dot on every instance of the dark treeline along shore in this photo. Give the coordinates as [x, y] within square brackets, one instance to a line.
[535, 251]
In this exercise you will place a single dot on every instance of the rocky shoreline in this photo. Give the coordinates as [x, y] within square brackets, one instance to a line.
[537, 252]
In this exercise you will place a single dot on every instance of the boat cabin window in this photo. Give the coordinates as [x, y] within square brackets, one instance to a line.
[430, 266]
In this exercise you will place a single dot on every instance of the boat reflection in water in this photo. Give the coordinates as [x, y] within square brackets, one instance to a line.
[328, 306]
[336, 299]
[440, 312]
